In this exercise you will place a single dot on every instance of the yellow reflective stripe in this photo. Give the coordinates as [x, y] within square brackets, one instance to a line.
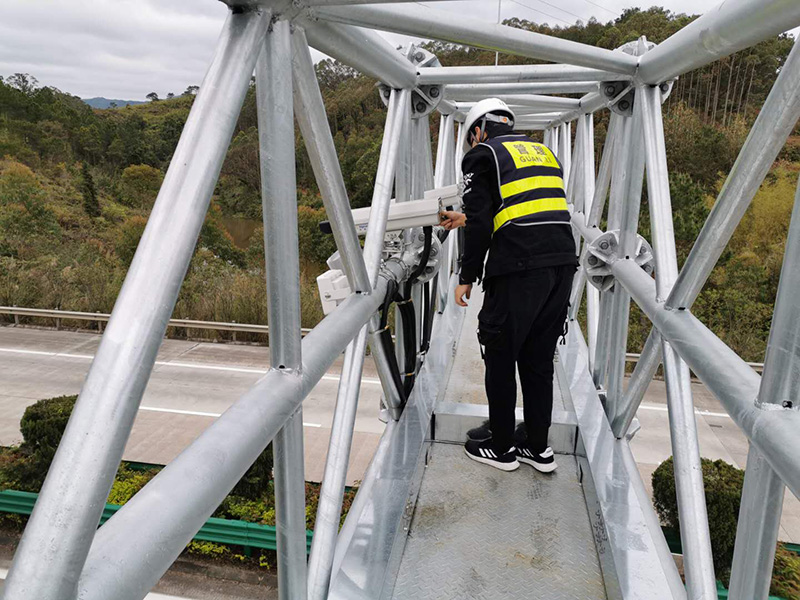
[531, 183]
[523, 209]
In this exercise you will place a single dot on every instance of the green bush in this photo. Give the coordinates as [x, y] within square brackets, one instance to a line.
[256, 483]
[127, 482]
[785, 574]
[723, 485]
[42, 426]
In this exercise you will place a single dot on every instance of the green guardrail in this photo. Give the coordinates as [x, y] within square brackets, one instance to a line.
[674, 543]
[221, 531]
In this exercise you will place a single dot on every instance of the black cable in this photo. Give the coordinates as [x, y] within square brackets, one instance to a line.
[424, 257]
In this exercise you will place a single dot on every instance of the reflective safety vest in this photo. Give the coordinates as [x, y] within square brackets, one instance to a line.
[531, 183]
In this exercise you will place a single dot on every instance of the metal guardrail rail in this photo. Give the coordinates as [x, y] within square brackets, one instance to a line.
[192, 324]
[57, 314]
[220, 531]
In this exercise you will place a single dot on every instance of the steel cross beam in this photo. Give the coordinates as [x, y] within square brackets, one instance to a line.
[87, 458]
[437, 24]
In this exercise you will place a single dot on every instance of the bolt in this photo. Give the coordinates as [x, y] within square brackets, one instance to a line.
[420, 107]
[610, 89]
[597, 279]
[664, 87]
[434, 92]
[604, 245]
[421, 237]
[434, 251]
[592, 260]
[624, 105]
[419, 56]
[387, 93]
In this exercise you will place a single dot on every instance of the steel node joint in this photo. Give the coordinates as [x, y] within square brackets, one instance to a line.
[604, 251]
[424, 98]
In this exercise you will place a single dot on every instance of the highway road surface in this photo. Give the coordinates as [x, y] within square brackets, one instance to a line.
[193, 383]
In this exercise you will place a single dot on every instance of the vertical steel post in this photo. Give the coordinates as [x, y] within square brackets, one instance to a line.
[279, 201]
[695, 536]
[762, 497]
[313, 122]
[565, 148]
[388, 165]
[757, 530]
[592, 293]
[47, 565]
[445, 175]
[623, 213]
[331, 494]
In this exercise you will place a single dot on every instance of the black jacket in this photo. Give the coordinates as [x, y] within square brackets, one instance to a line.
[513, 248]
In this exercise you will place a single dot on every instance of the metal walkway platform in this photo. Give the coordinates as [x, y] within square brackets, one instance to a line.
[430, 524]
[481, 533]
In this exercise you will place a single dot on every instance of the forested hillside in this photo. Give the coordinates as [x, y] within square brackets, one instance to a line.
[77, 184]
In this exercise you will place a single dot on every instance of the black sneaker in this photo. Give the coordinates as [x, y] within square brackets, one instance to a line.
[543, 462]
[483, 433]
[484, 452]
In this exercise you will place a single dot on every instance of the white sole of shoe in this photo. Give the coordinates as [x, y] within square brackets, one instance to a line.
[541, 467]
[513, 466]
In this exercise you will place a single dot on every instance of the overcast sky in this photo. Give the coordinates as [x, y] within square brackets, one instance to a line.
[127, 48]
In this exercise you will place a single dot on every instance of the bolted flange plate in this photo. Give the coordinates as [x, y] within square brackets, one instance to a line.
[604, 252]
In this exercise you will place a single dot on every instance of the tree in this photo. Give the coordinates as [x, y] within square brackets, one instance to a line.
[152, 96]
[170, 96]
[112, 105]
[24, 82]
[91, 206]
[191, 90]
[139, 185]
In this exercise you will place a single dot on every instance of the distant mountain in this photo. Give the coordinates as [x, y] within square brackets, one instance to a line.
[106, 102]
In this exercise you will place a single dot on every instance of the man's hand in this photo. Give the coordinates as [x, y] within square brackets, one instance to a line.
[451, 219]
[464, 289]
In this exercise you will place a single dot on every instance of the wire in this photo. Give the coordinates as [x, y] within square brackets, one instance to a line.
[540, 12]
[608, 10]
[562, 10]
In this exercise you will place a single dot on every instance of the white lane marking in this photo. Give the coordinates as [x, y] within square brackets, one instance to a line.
[177, 365]
[198, 413]
[703, 413]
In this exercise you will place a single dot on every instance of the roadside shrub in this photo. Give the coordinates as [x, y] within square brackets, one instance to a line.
[785, 574]
[127, 482]
[256, 482]
[723, 485]
[42, 426]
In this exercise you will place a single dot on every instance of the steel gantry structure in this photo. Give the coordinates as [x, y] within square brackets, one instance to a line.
[63, 556]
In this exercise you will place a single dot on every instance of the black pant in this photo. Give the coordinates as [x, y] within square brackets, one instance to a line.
[522, 318]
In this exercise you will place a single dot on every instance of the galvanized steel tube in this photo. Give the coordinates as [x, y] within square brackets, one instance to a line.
[730, 26]
[757, 530]
[768, 135]
[774, 124]
[74, 493]
[725, 374]
[762, 497]
[279, 202]
[136, 546]
[440, 25]
[362, 49]
[313, 122]
[331, 493]
[515, 74]
[479, 91]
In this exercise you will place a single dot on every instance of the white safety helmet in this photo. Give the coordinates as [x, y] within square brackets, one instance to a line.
[479, 114]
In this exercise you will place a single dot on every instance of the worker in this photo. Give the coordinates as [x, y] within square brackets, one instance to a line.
[515, 209]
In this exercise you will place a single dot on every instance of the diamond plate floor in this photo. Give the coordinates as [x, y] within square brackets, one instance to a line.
[480, 533]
